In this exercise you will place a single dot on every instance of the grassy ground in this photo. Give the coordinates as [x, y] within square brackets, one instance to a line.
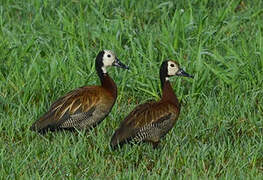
[47, 48]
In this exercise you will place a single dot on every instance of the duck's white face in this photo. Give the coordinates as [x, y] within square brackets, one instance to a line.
[108, 59]
[172, 68]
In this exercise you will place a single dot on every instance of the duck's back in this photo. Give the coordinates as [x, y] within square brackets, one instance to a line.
[82, 108]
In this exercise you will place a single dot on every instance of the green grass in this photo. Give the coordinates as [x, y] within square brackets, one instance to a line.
[47, 48]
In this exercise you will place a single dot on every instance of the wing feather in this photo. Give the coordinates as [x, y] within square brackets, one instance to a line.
[68, 107]
[143, 118]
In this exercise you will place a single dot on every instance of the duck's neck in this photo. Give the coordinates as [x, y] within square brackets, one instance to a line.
[108, 84]
[168, 93]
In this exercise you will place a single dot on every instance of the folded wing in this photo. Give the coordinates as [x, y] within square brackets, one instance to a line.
[82, 108]
[147, 122]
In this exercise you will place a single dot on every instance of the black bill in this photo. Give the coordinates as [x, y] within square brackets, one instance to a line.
[181, 72]
[118, 63]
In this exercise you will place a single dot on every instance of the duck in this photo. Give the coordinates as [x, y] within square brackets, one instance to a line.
[84, 107]
[151, 121]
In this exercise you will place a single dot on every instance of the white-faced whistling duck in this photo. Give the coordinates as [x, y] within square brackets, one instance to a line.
[152, 120]
[84, 107]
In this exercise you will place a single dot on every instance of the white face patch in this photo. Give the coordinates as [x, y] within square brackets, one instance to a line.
[172, 68]
[107, 59]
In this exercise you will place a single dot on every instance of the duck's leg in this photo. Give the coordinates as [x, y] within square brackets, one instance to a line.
[155, 144]
[154, 141]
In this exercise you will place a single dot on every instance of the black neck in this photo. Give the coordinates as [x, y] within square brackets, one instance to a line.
[99, 65]
[101, 75]
[163, 73]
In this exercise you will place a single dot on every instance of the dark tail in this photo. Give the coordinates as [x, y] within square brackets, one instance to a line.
[39, 127]
[120, 137]
[115, 140]
[42, 124]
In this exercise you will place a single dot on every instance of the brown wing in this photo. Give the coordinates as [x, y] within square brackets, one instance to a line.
[143, 117]
[75, 107]
[148, 113]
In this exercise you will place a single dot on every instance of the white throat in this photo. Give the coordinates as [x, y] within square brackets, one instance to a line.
[103, 68]
[166, 79]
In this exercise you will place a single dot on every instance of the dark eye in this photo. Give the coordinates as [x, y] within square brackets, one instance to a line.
[172, 65]
[109, 55]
